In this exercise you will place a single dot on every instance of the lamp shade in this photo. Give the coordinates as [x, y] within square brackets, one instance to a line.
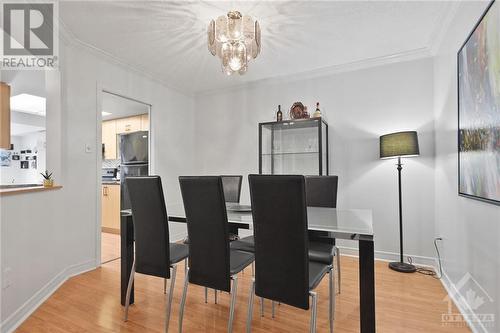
[399, 144]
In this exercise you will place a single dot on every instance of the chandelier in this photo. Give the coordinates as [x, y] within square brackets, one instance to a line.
[235, 39]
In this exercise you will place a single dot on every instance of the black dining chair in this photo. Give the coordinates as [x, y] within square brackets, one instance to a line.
[231, 184]
[283, 271]
[154, 254]
[232, 193]
[321, 191]
[212, 264]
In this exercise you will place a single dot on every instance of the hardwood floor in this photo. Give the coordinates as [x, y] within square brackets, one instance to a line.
[110, 247]
[91, 303]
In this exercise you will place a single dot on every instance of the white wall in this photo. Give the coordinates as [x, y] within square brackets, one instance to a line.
[470, 229]
[359, 106]
[48, 236]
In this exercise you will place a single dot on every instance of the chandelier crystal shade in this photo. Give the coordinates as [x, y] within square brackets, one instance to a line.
[235, 39]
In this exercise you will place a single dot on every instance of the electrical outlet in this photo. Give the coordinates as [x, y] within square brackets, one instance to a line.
[7, 278]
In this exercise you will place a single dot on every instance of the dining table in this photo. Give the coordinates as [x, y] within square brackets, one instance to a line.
[350, 224]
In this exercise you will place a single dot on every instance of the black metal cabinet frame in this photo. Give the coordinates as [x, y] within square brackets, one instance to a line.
[323, 147]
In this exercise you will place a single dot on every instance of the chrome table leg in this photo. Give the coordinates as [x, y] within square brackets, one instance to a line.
[250, 306]
[129, 289]
[183, 300]
[234, 289]
[170, 297]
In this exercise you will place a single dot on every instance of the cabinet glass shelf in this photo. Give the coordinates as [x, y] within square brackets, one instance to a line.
[294, 147]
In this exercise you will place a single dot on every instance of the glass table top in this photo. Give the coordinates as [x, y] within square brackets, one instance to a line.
[342, 223]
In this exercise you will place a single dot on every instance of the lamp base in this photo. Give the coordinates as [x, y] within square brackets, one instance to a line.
[402, 267]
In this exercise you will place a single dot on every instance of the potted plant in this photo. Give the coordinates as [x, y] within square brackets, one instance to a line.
[48, 181]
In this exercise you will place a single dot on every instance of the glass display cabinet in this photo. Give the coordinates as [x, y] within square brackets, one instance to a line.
[294, 147]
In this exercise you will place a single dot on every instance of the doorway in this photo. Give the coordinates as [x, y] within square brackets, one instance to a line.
[125, 143]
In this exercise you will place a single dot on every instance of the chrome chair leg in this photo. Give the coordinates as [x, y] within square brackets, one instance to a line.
[314, 297]
[253, 269]
[215, 296]
[165, 286]
[234, 289]
[170, 297]
[250, 306]
[262, 306]
[331, 307]
[185, 265]
[338, 267]
[272, 308]
[129, 290]
[183, 299]
[206, 295]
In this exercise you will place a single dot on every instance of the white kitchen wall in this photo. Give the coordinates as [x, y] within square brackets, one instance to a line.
[470, 229]
[49, 236]
[359, 106]
[13, 174]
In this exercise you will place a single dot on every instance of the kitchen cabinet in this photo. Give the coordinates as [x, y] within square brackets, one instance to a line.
[109, 139]
[127, 125]
[4, 116]
[110, 209]
[111, 129]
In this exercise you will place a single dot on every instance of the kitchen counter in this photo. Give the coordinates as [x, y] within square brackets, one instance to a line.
[110, 182]
[26, 189]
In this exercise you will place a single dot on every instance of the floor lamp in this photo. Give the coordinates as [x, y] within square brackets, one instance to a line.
[397, 145]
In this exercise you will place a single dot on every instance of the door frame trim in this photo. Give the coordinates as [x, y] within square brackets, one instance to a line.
[100, 90]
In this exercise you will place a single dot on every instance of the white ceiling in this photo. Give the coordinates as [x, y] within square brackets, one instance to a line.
[21, 129]
[167, 39]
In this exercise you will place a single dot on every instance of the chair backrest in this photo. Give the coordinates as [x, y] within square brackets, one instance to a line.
[207, 231]
[232, 188]
[152, 244]
[280, 235]
[321, 191]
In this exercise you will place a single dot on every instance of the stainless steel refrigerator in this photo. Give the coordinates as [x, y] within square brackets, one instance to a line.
[134, 154]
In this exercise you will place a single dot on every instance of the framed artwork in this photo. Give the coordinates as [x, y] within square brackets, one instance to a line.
[479, 110]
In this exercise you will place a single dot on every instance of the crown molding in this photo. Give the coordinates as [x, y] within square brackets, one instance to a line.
[70, 39]
[442, 26]
[410, 55]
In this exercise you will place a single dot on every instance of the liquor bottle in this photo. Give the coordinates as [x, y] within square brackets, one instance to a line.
[279, 114]
[317, 113]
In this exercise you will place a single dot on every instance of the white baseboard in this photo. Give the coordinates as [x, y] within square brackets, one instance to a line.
[390, 256]
[463, 306]
[21, 314]
[456, 296]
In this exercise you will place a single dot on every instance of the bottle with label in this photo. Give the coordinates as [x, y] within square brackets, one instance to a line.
[279, 114]
[317, 113]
